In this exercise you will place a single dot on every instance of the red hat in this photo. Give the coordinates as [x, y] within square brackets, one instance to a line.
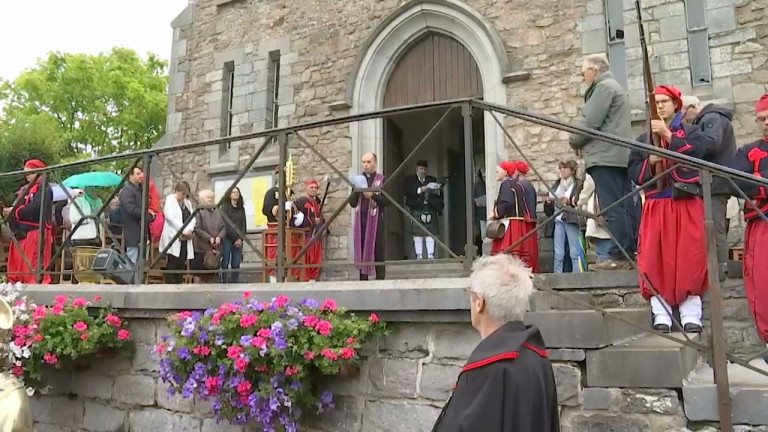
[523, 167]
[672, 92]
[312, 183]
[509, 167]
[34, 164]
[762, 104]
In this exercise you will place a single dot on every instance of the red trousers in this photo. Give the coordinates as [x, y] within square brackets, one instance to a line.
[17, 265]
[756, 273]
[314, 256]
[527, 251]
[672, 249]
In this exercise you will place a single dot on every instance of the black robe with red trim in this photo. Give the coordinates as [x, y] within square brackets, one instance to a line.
[753, 159]
[507, 385]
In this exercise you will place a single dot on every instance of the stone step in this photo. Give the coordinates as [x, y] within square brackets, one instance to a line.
[749, 394]
[649, 361]
[587, 328]
[426, 269]
[542, 301]
[588, 280]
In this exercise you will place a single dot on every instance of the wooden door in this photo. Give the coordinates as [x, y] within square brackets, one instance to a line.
[394, 218]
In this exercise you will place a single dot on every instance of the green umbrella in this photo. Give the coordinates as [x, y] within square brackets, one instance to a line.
[93, 179]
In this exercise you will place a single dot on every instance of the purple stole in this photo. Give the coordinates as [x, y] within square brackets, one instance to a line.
[371, 228]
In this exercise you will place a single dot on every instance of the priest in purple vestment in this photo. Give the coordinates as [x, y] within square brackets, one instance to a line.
[368, 220]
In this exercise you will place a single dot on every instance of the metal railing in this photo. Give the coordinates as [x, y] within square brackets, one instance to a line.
[285, 262]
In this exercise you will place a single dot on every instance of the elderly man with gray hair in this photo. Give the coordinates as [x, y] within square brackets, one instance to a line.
[507, 384]
[607, 109]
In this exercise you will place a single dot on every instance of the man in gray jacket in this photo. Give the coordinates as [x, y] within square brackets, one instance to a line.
[607, 109]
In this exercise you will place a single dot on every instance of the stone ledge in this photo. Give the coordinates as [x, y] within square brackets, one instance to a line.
[515, 77]
[593, 280]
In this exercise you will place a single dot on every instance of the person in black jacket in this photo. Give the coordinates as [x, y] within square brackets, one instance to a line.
[720, 145]
[130, 207]
[236, 226]
[507, 384]
[423, 198]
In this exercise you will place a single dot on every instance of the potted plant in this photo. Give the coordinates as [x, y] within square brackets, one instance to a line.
[258, 360]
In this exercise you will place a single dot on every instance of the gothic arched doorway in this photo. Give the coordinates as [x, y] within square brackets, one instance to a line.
[434, 67]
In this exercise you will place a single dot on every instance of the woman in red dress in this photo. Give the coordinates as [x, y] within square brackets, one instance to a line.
[511, 209]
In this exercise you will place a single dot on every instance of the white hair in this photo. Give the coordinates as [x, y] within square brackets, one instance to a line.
[599, 62]
[506, 285]
[691, 101]
[203, 194]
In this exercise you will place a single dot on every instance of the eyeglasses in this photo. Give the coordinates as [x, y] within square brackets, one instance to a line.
[761, 119]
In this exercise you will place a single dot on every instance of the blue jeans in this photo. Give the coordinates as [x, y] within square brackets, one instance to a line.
[571, 232]
[233, 255]
[602, 248]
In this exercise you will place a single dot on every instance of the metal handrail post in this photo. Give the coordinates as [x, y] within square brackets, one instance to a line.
[41, 231]
[140, 264]
[717, 336]
[469, 247]
[281, 193]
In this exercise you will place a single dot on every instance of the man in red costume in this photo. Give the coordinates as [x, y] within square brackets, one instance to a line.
[753, 159]
[313, 223]
[513, 212]
[672, 249]
[27, 218]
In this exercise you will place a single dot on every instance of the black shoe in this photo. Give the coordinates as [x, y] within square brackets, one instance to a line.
[662, 328]
[692, 328]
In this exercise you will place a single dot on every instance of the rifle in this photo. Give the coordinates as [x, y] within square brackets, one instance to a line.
[651, 109]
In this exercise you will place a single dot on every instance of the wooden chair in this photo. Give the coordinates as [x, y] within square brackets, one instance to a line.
[155, 274]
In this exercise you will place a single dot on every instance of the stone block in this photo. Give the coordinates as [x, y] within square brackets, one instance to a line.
[437, 380]
[353, 385]
[673, 28]
[715, 4]
[608, 367]
[592, 22]
[747, 92]
[155, 420]
[667, 10]
[674, 61]
[176, 84]
[393, 378]
[570, 355]
[456, 343]
[135, 390]
[736, 67]
[174, 402]
[568, 381]
[210, 425]
[749, 394]
[599, 399]
[722, 54]
[379, 416]
[41, 407]
[547, 300]
[346, 416]
[101, 418]
[649, 402]
[587, 329]
[409, 341]
[722, 88]
[144, 359]
[144, 331]
[721, 20]
[64, 412]
[593, 41]
[608, 423]
[92, 385]
[737, 36]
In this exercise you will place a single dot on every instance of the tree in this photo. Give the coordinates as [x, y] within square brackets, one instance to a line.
[94, 105]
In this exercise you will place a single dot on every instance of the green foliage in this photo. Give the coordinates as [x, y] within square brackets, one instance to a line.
[76, 106]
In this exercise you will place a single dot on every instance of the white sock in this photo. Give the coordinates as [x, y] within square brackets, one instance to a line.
[418, 246]
[690, 311]
[660, 315]
[430, 247]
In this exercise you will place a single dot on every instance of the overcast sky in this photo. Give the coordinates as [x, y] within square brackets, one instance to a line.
[29, 29]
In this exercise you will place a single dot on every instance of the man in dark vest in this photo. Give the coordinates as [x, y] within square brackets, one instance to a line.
[423, 198]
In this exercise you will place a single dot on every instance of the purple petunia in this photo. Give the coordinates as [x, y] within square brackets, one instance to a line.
[310, 303]
[246, 340]
[183, 353]
[188, 328]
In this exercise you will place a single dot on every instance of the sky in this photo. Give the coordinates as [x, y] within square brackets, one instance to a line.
[29, 29]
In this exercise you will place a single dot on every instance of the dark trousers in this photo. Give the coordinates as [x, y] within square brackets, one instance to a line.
[612, 183]
[378, 250]
[175, 264]
[230, 255]
[719, 211]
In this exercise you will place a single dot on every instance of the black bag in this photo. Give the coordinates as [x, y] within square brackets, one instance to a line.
[682, 190]
[495, 230]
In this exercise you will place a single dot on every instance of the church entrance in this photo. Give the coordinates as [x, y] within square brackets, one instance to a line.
[436, 67]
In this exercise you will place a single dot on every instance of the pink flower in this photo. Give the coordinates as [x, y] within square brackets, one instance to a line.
[83, 336]
[61, 299]
[20, 341]
[248, 320]
[309, 355]
[123, 334]
[329, 304]
[244, 388]
[282, 301]
[38, 337]
[19, 303]
[328, 353]
[113, 320]
[80, 326]
[311, 320]
[39, 313]
[201, 350]
[50, 358]
[20, 330]
[247, 295]
[212, 384]
[262, 369]
[291, 370]
[17, 370]
[234, 352]
[348, 353]
[79, 302]
[351, 340]
[324, 328]
[264, 332]
[216, 318]
[374, 318]
[57, 310]
[97, 299]
[228, 308]
[160, 348]
[241, 364]
[259, 342]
